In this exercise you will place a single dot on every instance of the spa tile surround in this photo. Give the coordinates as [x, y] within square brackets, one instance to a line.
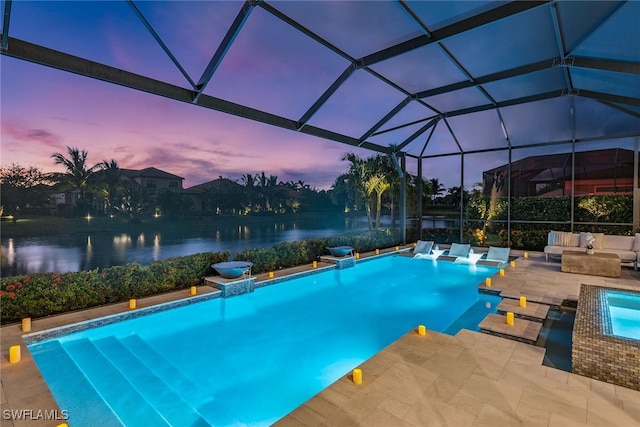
[597, 353]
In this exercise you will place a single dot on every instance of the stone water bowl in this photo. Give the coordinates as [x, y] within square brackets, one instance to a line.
[232, 269]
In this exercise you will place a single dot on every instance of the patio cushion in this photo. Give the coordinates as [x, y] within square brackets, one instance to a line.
[636, 243]
[623, 243]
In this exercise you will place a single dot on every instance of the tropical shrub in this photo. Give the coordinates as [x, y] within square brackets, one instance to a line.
[44, 294]
[289, 254]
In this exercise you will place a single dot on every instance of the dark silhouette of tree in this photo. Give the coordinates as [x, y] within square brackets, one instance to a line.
[78, 172]
[110, 184]
[23, 188]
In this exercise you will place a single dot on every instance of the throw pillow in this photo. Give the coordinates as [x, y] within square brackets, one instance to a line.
[559, 238]
[597, 244]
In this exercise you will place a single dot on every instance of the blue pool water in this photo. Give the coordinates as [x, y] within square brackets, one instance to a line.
[624, 309]
[251, 359]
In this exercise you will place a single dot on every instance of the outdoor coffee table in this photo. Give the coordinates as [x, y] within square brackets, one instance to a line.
[598, 264]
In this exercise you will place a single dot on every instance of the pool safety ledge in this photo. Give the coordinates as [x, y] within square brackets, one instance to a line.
[596, 352]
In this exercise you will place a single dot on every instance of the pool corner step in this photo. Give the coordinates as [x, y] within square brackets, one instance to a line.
[533, 311]
[522, 330]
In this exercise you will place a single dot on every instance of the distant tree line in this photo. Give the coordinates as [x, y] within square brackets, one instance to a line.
[370, 185]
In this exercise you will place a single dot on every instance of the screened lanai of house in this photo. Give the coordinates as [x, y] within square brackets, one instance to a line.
[486, 83]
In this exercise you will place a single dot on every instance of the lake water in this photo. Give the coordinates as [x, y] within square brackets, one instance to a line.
[85, 251]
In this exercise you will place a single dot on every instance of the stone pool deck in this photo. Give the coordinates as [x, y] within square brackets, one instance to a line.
[472, 379]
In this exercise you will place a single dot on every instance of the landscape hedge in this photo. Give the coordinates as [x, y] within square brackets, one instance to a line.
[290, 254]
[44, 294]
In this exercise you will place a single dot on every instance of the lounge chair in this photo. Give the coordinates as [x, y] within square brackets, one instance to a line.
[458, 250]
[423, 250]
[423, 247]
[471, 258]
[497, 256]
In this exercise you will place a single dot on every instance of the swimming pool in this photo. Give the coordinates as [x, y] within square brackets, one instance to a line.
[251, 359]
[624, 309]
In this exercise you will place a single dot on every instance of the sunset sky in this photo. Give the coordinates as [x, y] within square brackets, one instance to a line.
[45, 110]
[274, 68]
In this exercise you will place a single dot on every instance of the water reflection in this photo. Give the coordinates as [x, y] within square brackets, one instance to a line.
[62, 253]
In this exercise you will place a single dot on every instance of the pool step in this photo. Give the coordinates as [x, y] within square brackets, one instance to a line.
[533, 311]
[150, 384]
[522, 330]
[164, 369]
[67, 381]
[539, 298]
[116, 390]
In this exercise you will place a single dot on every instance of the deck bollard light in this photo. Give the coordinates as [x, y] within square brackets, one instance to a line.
[487, 282]
[193, 291]
[26, 324]
[513, 263]
[377, 251]
[271, 275]
[422, 330]
[502, 271]
[415, 244]
[523, 302]
[315, 264]
[357, 255]
[14, 354]
[132, 304]
[526, 254]
[63, 425]
[357, 376]
[510, 318]
[397, 248]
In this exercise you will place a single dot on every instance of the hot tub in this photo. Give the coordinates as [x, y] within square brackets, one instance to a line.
[232, 269]
[624, 311]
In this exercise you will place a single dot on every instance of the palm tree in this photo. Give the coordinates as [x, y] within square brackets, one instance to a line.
[249, 182]
[356, 182]
[78, 173]
[111, 182]
[437, 189]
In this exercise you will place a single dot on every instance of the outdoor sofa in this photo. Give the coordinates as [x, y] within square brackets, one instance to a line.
[626, 247]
